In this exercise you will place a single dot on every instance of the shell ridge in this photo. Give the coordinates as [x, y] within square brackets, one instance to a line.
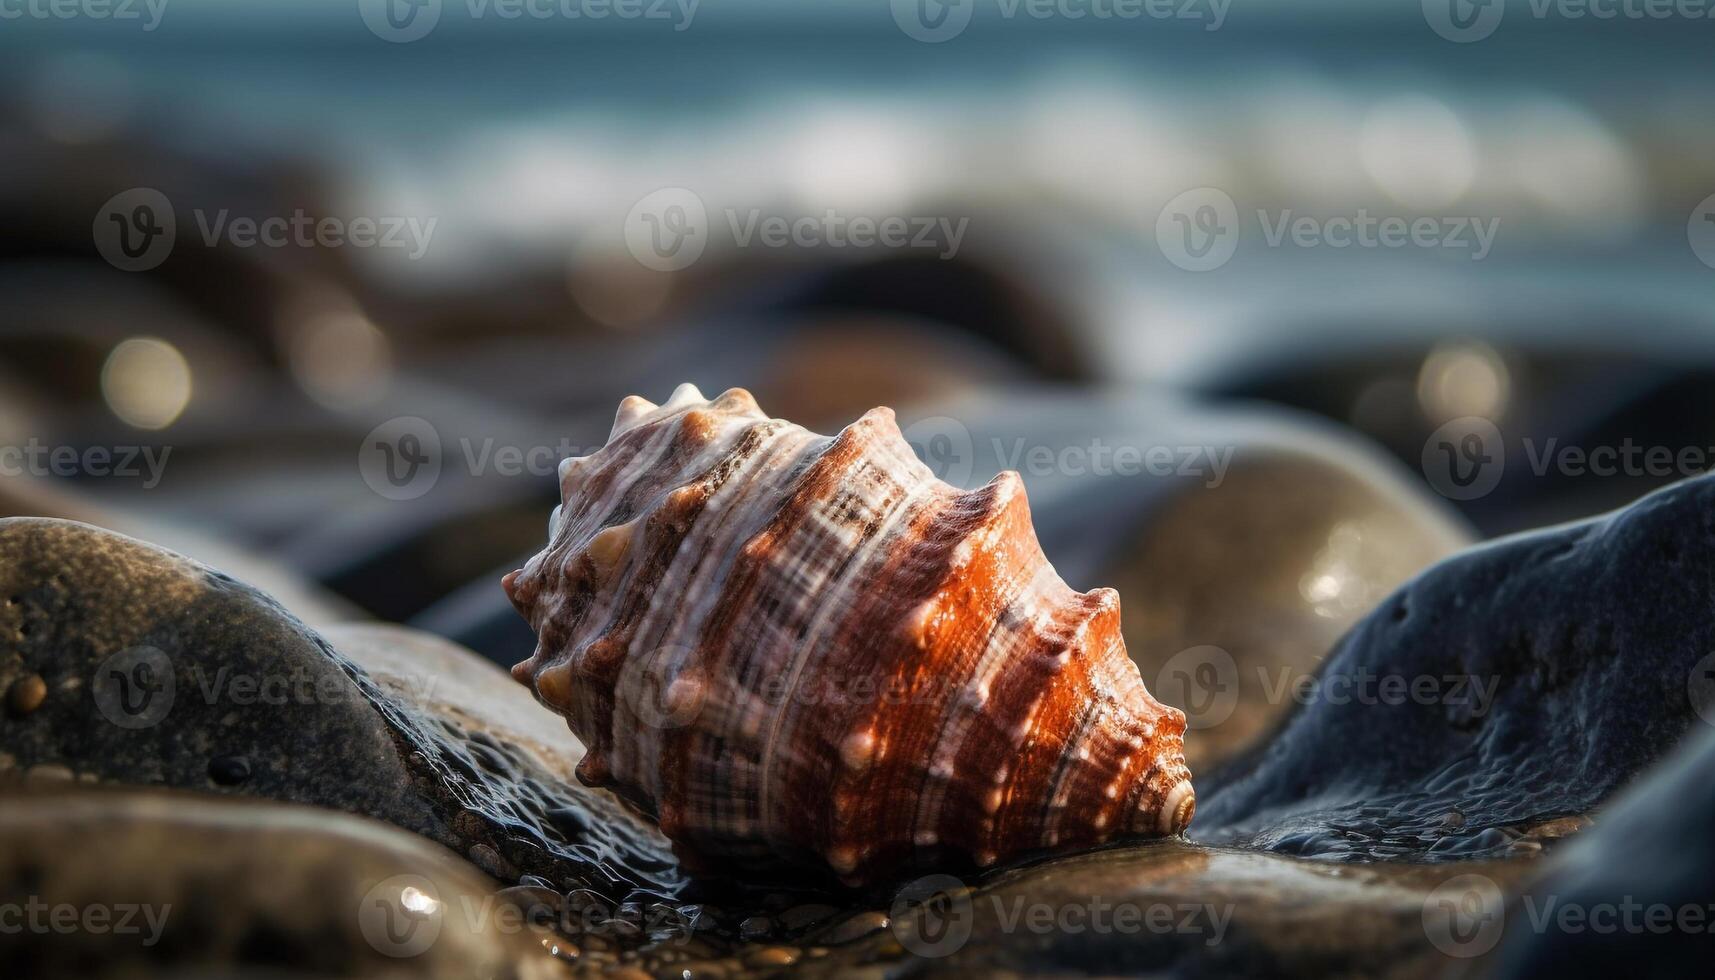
[677, 626]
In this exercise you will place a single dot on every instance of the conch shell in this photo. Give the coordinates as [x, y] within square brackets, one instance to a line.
[791, 648]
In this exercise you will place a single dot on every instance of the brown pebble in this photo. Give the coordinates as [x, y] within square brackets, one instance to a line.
[629, 973]
[26, 695]
[802, 916]
[1559, 827]
[49, 773]
[772, 956]
[855, 928]
[489, 860]
[561, 947]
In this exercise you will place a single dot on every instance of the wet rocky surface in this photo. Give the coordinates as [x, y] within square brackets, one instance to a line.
[1493, 700]
[124, 664]
[156, 670]
[1636, 896]
[392, 723]
[1165, 909]
[116, 883]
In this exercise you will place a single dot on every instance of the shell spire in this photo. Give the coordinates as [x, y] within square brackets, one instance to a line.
[793, 648]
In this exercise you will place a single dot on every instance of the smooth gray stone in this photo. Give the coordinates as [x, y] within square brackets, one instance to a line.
[156, 670]
[222, 887]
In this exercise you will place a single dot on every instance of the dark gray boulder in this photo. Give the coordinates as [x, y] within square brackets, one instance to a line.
[1634, 897]
[1523, 680]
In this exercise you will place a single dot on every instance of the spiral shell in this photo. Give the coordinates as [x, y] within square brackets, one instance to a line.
[791, 648]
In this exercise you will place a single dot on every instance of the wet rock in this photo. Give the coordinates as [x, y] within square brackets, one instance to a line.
[157, 883]
[504, 766]
[1243, 542]
[1523, 680]
[1163, 909]
[162, 671]
[26, 496]
[154, 666]
[1636, 896]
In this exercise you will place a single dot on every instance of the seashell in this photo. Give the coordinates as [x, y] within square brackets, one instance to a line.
[793, 649]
